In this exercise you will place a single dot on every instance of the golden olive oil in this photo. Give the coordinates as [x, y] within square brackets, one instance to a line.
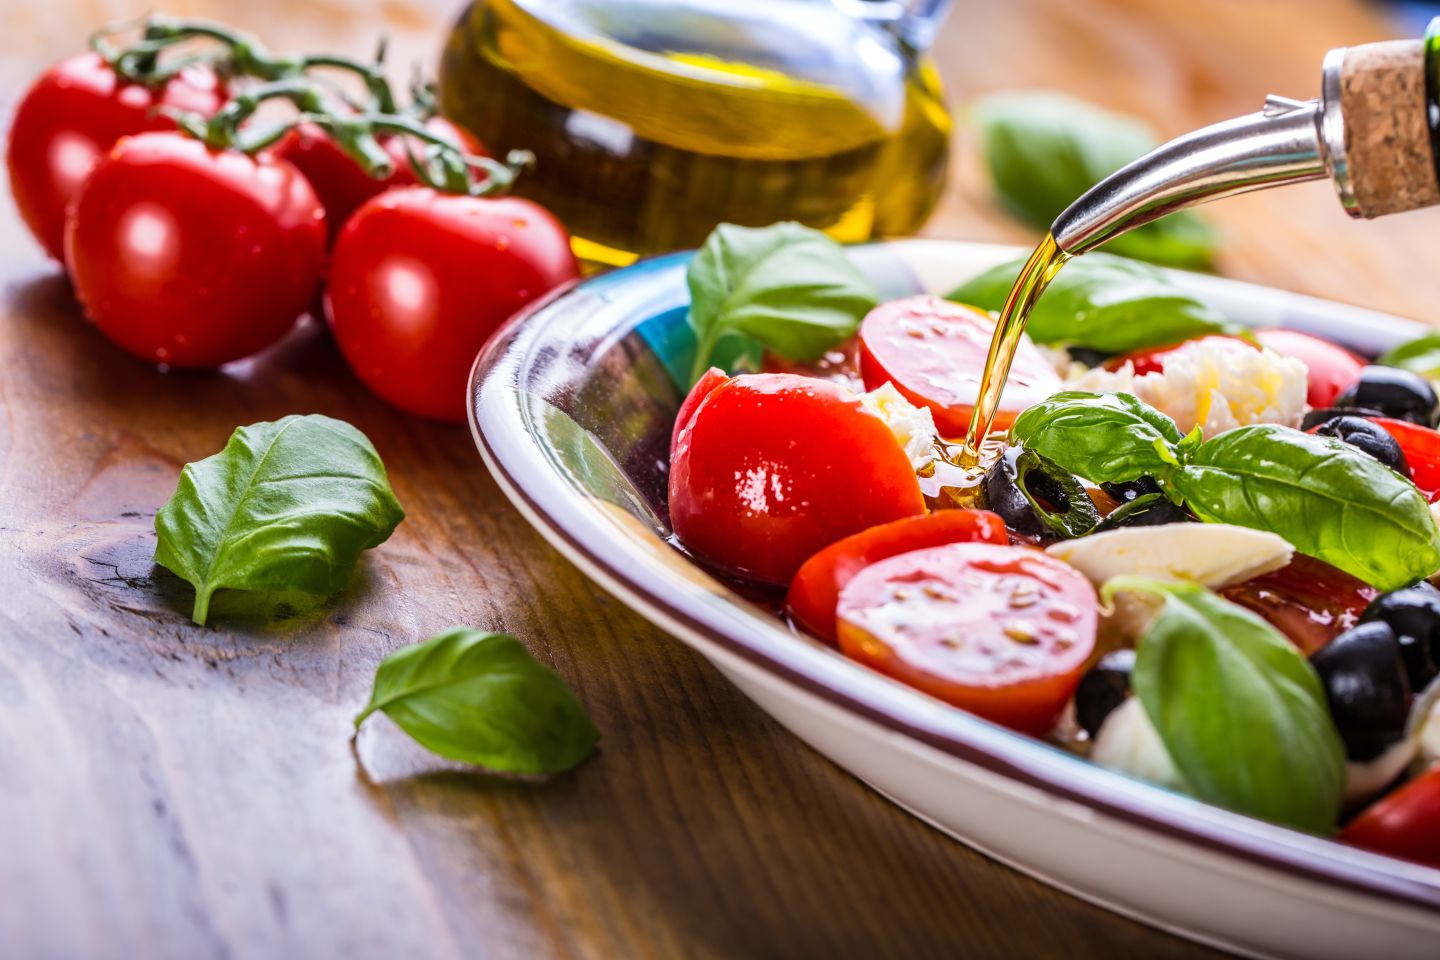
[648, 135]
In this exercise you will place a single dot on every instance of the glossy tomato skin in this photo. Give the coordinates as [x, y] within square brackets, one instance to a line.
[1332, 369]
[1421, 447]
[342, 186]
[1308, 600]
[934, 352]
[815, 590]
[709, 380]
[1001, 631]
[1405, 823]
[70, 117]
[771, 468]
[419, 280]
[193, 257]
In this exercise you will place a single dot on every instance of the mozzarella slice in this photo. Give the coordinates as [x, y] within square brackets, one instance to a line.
[1129, 743]
[1212, 554]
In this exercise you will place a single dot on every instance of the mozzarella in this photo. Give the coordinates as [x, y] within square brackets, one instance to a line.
[1128, 743]
[914, 427]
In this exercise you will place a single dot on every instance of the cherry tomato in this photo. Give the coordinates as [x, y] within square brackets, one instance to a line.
[772, 467]
[815, 590]
[1001, 631]
[343, 187]
[1308, 600]
[934, 352]
[419, 280]
[70, 117]
[194, 257]
[1404, 823]
[1421, 447]
[1152, 359]
[1332, 368]
[712, 378]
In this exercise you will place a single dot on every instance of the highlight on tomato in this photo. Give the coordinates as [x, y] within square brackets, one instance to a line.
[1001, 631]
[815, 590]
[771, 468]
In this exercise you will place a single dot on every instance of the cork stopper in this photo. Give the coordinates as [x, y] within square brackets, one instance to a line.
[1387, 135]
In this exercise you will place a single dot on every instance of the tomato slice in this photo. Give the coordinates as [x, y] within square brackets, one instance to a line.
[1404, 823]
[1308, 600]
[934, 352]
[1001, 631]
[815, 591]
[1421, 447]
[1152, 359]
[771, 468]
[1332, 368]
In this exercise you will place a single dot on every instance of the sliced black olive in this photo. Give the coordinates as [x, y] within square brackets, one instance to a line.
[1131, 489]
[1413, 615]
[1394, 392]
[1367, 688]
[1151, 510]
[1091, 358]
[1034, 496]
[1103, 688]
[1367, 437]
[1319, 415]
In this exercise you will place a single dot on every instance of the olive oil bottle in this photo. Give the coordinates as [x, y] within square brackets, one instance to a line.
[654, 121]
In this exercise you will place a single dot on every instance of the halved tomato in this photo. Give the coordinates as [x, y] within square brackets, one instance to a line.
[934, 352]
[815, 591]
[1001, 631]
[1404, 823]
[1332, 368]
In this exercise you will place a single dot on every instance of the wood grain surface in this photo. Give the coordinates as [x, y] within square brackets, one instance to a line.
[168, 791]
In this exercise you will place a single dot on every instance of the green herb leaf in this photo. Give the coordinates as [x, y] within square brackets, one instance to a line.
[481, 698]
[1101, 302]
[788, 287]
[287, 505]
[1044, 150]
[1324, 496]
[1421, 355]
[1103, 437]
[1240, 711]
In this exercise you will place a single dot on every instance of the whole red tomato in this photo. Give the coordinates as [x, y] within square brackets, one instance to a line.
[343, 187]
[420, 279]
[1404, 823]
[190, 256]
[70, 117]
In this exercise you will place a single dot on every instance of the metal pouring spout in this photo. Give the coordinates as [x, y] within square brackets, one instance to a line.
[1287, 142]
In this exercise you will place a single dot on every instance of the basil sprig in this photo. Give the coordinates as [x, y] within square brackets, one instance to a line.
[1322, 495]
[1240, 711]
[481, 698]
[785, 287]
[287, 505]
[1101, 302]
[1043, 150]
[1421, 355]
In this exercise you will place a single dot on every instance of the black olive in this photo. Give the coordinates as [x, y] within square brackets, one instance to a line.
[1057, 503]
[1366, 685]
[1394, 392]
[1003, 496]
[1150, 510]
[1103, 688]
[1413, 615]
[1367, 437]
[1091, 358]
[1131, 489]
[1319, 415]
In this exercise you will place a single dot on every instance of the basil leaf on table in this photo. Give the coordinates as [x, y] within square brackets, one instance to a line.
[1324, 496]
[480, 698]
[788, 287]
[1421, 355]
[1103, 437]
[1101, 302]
[1043, 150]
[287, 505]
[1240, 710]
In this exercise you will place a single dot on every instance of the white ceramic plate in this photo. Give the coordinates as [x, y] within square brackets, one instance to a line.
[572, 407]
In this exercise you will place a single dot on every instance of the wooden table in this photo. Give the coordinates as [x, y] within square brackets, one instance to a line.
[171, 791]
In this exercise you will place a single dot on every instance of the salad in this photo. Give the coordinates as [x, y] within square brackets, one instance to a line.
[1198, 555]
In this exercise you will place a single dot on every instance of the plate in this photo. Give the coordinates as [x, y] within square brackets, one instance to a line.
[572, 405]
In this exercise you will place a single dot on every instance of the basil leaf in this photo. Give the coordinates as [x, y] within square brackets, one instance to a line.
[1421, 355]
[287, 505]
[789, 287]
[1043, 150]
[1240, 710]
[1103, 437]
[1103, 303]
[1324, 496]
[481, 698]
